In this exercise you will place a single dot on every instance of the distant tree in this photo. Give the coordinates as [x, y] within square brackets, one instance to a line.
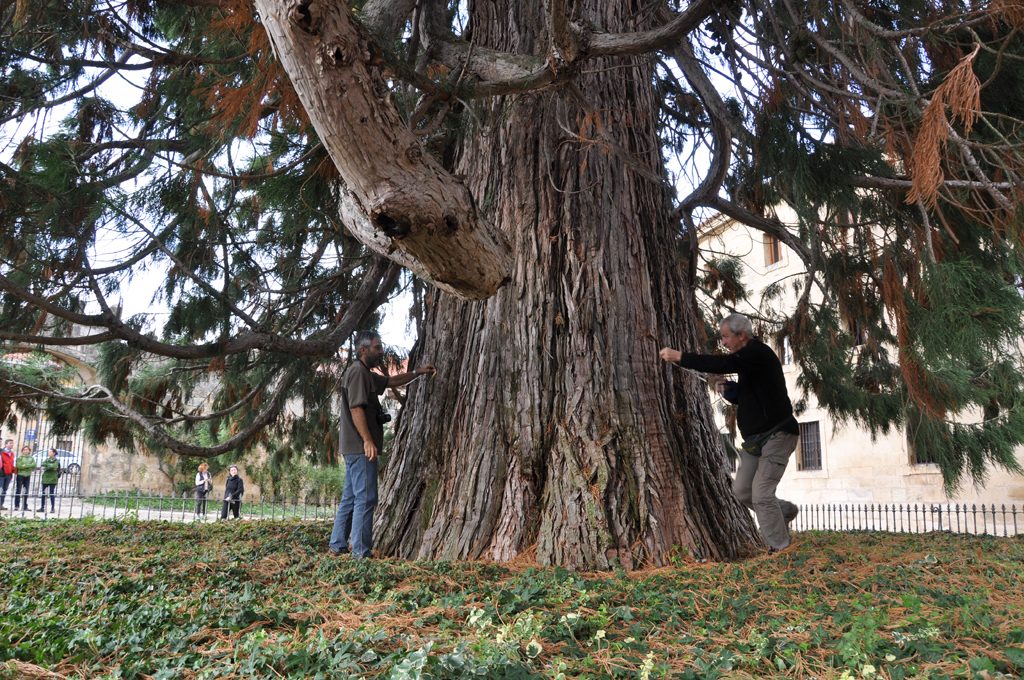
[521, 160]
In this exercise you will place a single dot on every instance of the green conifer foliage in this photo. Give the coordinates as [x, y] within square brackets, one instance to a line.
[198, 165]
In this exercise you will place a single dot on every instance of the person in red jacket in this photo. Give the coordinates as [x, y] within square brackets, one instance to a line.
[6, 469]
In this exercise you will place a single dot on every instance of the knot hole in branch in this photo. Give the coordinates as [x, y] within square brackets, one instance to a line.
[337, 54]
[392, 227]
[308, 16]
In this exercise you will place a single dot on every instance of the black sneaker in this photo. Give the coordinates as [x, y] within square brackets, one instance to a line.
[337, 553]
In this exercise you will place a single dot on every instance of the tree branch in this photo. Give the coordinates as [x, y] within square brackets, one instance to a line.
[642, 42]
[769, 226]
[366, 299]
[71, 96]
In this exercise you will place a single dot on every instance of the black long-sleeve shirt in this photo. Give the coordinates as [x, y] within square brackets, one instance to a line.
[761, 388]
[234, 488]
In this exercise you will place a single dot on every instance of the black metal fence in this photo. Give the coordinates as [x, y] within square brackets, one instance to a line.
[986, 519]
[133, 505]
[958, 518]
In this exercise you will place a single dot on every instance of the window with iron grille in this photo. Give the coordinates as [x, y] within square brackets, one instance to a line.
[772, 250]
[785, 352]
[810, 447]
[919, 455]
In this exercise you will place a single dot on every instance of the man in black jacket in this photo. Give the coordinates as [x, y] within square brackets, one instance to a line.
[764, 406]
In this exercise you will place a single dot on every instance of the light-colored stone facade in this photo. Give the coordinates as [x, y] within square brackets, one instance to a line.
[854, 468]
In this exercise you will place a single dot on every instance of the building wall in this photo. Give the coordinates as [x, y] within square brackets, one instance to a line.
[110, 469]
[854, 468]
[107, 468]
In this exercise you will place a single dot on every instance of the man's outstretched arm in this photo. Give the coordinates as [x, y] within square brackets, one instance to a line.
[405, 378]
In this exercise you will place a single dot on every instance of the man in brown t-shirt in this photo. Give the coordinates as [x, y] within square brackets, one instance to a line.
[361, 438]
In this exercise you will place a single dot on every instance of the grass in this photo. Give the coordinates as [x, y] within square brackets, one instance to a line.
[93, 599]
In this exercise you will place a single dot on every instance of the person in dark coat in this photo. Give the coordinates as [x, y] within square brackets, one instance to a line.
[764, 415]
[233, 490]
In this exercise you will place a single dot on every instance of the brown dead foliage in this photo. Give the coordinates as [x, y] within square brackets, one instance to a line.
[961, 92]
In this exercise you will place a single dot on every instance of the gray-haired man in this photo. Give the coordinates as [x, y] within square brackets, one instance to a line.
[763, 407]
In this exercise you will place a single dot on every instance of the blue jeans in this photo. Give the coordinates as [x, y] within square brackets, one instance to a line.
[5, 481]
[355, 512]
[52, 488]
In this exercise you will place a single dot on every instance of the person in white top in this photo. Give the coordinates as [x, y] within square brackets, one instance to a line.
[204, 484]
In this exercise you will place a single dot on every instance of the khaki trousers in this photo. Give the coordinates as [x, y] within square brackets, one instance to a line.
[755, 484]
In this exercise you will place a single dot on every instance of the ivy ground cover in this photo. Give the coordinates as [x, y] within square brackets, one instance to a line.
[92, 599]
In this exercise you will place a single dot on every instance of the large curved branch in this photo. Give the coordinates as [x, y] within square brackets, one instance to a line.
[57, 342]
[505, 73]
[416, 212]
[179, 447]
[684, 56]
[721, 153]
[366, 300]
[894, 183]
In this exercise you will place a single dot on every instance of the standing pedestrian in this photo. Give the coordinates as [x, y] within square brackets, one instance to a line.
[23, 468]
[204, 484]
[233, 490]
[6, 469]
[361, 439]
[765, 418]
[51, 473]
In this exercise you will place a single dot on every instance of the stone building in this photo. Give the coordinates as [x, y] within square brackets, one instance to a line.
[838, 462]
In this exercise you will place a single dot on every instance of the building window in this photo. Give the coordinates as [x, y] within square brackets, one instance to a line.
[785, 352]
[810, 447]
[772, 250]
[918, 455]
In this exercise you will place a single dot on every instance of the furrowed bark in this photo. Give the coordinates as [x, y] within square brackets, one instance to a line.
[555, 427]
[413, 211]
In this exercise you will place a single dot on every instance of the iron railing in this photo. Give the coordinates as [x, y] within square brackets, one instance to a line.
[986, 519]
[917, 518]
[132, 505]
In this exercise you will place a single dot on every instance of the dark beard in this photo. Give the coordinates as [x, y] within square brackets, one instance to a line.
[375, 362]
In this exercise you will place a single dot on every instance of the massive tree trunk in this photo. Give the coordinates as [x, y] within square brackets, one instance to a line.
[552, 422]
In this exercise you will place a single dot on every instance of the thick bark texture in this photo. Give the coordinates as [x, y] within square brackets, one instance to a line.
[553, 425]
[396, 198]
